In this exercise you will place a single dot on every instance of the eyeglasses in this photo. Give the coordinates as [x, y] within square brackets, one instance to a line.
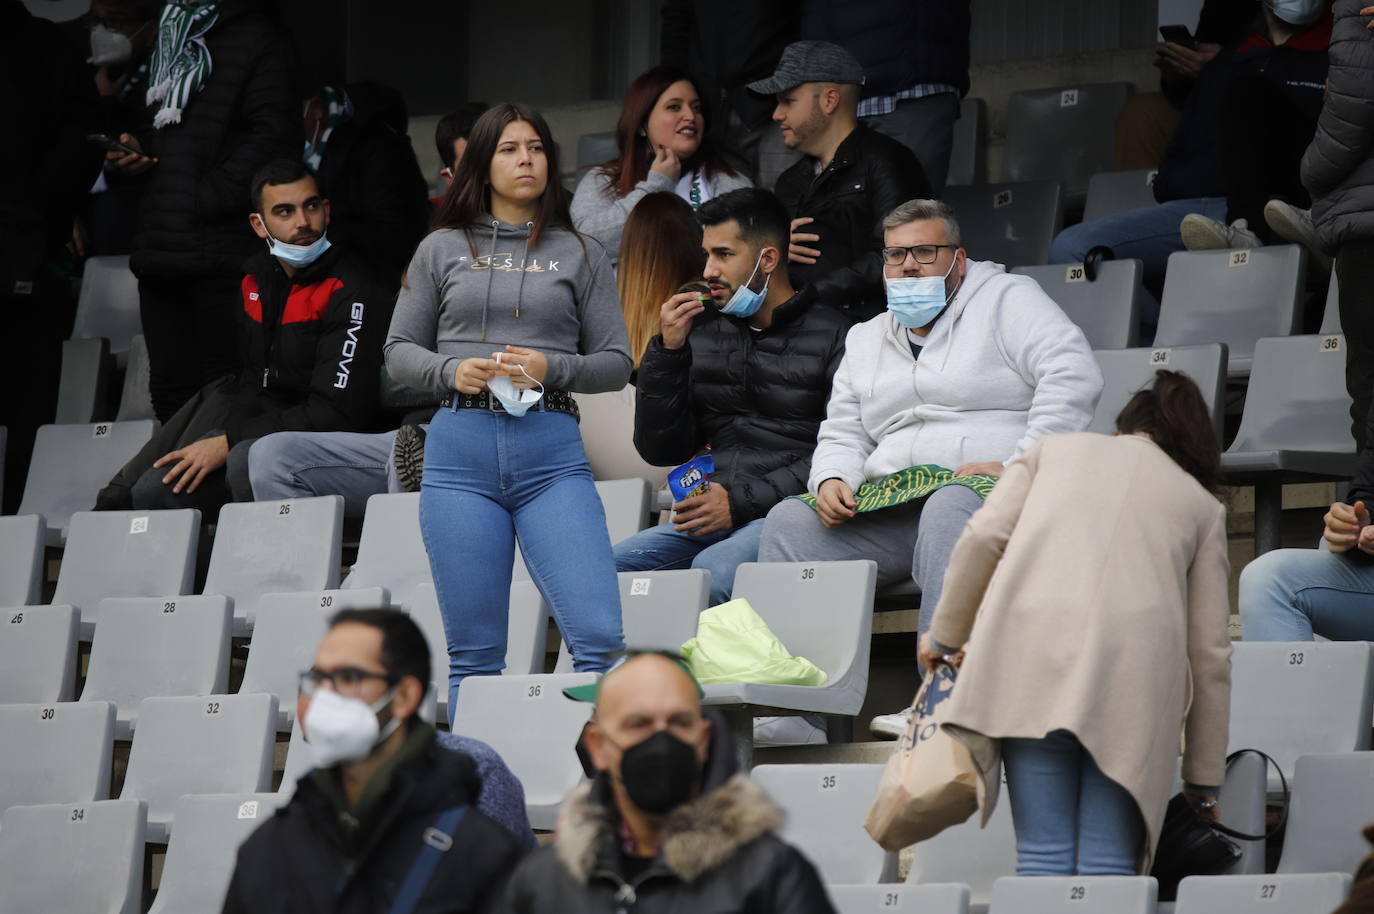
[924, 253]
[347, 680]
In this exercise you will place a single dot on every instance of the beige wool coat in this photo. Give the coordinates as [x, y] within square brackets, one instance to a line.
[1090, 594]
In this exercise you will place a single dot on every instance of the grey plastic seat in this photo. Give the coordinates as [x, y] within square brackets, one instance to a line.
[1011, 224]
[200, 859]
[1243, 807]
[1125, 371]
[1111, 192]
[1294, 698]
[286, 633]
[55, 753]
[1207, 299]
[968, 153]
[108, 304]
[135, 402]
[1331, 806]
[126, 554]
[1065, 134]
[534, 727]
[826, 806]
[391, 552]
[21, 558]
[607, 429]
[976, 857]
[83, 389]
[1331, 314]
[593, 149]
[1074, 894]
[37, 653]
[658, 610]
[1295, 426]
[949, 898]
[210, 744]
[1275, 893]
[85, 857]
[264, 547]
[72, 463]
[1104, 308]
[152, 647]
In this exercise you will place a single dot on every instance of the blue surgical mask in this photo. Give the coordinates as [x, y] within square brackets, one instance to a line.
[1298, 12]
[917, 300]
[516, 400]
[746, 301]
[298, 255]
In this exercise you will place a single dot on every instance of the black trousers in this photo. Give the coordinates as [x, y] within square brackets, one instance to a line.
[1355, 273]
[191, 327]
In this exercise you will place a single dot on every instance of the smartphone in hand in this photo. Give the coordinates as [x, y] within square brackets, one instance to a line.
[109, 144]
[1178, 34]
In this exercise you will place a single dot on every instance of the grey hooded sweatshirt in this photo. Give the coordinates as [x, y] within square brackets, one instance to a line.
[557, 297]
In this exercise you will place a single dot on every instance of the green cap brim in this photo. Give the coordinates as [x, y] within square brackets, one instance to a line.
[589, 691]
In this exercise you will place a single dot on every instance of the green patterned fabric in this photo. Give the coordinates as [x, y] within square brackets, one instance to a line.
[181, 62]
[908, 485]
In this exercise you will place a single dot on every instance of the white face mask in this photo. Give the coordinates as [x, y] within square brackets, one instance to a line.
[516, 400]
[340, 729]
[109, 47]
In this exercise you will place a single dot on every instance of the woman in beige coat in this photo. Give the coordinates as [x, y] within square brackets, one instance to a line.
[1096, 572]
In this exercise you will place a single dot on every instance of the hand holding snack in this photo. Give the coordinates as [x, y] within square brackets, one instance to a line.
[675, 317]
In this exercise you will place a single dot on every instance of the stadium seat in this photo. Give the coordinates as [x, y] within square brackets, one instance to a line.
[1242, 800]
[949, 898]
[200, 859]
[826, 806]
[1125, 371]
[391, 552]
[967, 854]
[153, 647]
[4, 445]
[1332, 803]
[286, 633]
[55, 753]
[37, 653]
[135, 402]
[21, 558]
[72, 857]
[264, 547]
[83, 390]
[1065, 134]
[1274, 893]
[1104, 308]
[1011, 224]
[1295, 426]
[539, 750]
[108, 304]
[72, 463]
[1111, 192]
[1331, 314]
[1231, 297]
[126, 554]
[607, 427]
[1070, 894]
[658, 610]
[214, 744]
[593, 149]
[968, 153]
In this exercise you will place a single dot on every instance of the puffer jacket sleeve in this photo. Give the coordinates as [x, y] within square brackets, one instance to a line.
[666, 430]
[1345, 129]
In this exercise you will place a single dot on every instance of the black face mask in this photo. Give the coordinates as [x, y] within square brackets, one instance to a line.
[660, 773]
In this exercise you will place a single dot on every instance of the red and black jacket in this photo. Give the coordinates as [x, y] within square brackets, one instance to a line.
[311, 347]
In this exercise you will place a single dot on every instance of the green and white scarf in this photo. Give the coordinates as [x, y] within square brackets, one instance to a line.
[181, 62]
[908, 485]
[338, 108]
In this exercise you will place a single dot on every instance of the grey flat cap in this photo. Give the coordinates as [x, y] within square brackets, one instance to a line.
[811, 62]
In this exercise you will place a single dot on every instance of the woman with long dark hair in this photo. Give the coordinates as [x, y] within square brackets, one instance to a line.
[506, 310]
[1096, 572]
[663, 146]
[661, 251]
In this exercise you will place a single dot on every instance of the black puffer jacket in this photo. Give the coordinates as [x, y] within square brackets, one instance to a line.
[756, 398]
[869, 177]
[899, 42]
[193, 219]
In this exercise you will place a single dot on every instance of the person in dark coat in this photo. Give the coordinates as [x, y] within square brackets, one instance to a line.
[384, 798]
[850, 178]
[667, 824]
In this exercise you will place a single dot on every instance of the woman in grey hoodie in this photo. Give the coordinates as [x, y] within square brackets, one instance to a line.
[506, 310]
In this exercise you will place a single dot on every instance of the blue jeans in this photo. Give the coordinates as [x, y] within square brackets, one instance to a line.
[490, 479]
[660, 548]
[1149, 234]
[1070, 818]
[286, 465]
[1288, 594]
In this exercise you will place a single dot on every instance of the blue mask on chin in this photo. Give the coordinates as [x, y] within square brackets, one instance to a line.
[745, 302]
[917, 300]
[298, 255]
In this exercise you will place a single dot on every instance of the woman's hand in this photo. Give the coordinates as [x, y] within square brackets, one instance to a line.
[1205, 805]
[666, 163]
[472, 375]
[534, 363]
[927, 656]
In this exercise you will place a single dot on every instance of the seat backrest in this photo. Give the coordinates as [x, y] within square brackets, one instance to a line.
[1331, 314]
[72, 463]
[968, 152]
[72, 857]
[1126, 371]
[126, 554]
[150, 647]
[264, 547]
[200, 859]
[658, 610]
[1065, 134]
[949, 898]
[108, 304]
[627, 506]
[826, 806]
[968, 854]
[1297, 398]
[1104, 308]
[37, 653]
[1070, 894]
[593, 149]
[1331, 806]
[391, 552]
[21, 559]
[135, 402]
[1273, 893]
[55, 753]
[1112, 192]
[607, 427]
[82, 391]
[1011, 224]
[1231, 297]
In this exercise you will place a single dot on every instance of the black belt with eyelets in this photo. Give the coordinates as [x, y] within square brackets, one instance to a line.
[554, 401]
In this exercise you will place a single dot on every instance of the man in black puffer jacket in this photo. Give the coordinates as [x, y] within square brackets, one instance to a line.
[750, 386]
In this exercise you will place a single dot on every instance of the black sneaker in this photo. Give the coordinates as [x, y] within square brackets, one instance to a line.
[408, 455]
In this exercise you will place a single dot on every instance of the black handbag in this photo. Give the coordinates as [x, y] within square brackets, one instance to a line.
[1188, 846]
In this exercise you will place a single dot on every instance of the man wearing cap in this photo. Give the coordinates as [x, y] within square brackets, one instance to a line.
[850, 176]
[666, 824]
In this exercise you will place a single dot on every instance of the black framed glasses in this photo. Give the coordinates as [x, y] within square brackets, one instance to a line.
[924, 253]
[346, 680]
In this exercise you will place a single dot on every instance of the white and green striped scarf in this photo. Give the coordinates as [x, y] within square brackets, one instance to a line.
[181, 62]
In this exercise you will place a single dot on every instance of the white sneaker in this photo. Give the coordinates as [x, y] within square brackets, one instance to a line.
[787, 731]
[1203, 234]
[1295, 225]
[891, 726]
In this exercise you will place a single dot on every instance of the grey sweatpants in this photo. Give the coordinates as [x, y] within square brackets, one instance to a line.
[914, 539]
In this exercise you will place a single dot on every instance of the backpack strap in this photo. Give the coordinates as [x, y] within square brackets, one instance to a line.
[438, 838]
